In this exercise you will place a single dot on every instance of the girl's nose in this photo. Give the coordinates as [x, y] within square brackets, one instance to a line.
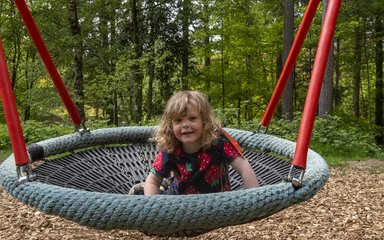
[185, 124]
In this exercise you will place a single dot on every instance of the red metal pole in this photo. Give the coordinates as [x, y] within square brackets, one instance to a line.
[314, 88]
[11, 115]
[46, 57]
[290, 62]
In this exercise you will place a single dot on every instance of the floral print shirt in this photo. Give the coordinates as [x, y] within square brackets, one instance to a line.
[200, 172]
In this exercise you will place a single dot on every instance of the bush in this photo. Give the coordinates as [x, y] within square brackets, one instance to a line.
[4, 138]
[33, 131]
[336, 139]
[37, 131]
[346, 137]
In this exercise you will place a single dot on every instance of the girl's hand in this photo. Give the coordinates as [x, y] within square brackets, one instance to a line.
[244, 169]
[152, 184]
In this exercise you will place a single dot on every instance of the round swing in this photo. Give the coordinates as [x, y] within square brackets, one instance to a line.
[85, 176]
[90, 187]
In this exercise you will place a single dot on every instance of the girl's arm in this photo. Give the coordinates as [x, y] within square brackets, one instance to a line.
[244, 169]
[152, 184]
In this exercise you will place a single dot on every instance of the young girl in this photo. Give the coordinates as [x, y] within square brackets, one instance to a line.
[194, 149]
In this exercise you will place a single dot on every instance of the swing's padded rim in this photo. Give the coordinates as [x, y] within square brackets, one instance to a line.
[163, 214]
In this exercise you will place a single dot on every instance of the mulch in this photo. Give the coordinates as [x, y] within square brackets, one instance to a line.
[350, 206]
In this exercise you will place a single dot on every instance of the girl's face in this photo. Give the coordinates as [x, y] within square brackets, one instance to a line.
[188, 129]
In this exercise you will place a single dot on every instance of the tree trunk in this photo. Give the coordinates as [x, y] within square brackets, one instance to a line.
[78, 58]
[15, 60]
[151, 62]
[151, 78]
[379, 117]
[238, 111]
[337, 95]
[367, 103]
[287, 102]
[115, 116]
[357, 72]
[137, 86]
[279, 69]
[106, 37]
[185, 44]
[112, 61]
[326, 94]
[104, 17]
[248, 93]
[222, 76]
[28, 85]
[207, 48]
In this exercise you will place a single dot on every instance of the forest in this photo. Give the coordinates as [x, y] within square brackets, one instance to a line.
[122, 60]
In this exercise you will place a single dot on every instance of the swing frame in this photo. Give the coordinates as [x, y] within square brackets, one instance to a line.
[107, 211]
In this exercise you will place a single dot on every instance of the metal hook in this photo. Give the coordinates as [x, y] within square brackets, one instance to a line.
[81, 128]
[259, 129]
[25, 174]
[296, 182]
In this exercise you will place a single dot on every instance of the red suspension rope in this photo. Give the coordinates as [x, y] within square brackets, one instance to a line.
[313, 94]
[46, 57]
[11, 116]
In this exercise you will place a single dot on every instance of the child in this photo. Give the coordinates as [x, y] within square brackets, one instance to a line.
[193, 147]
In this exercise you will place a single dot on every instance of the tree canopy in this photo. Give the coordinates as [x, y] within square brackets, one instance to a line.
[136, 54]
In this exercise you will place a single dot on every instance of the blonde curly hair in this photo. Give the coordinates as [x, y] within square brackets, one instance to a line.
[177, 106]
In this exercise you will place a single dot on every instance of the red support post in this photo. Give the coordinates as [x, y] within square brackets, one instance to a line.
[46, 57]
[290, 62]
[314, 88]
[11, 115]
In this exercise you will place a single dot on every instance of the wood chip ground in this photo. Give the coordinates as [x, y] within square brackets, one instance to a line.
[350, 206]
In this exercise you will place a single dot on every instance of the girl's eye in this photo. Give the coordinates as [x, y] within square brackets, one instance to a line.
[178, 120]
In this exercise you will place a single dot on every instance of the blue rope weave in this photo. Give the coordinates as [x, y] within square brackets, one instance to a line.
[163, 214]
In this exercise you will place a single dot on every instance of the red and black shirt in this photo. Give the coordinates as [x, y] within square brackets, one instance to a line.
[205, 171]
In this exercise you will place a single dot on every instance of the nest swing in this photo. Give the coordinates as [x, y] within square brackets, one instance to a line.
[89, 173]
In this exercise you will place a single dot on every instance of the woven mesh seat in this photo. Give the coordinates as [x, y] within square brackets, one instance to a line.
[116, 169]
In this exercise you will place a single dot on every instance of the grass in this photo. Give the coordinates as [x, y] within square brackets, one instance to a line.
[4, 153]
[336, 161]
[341, 158]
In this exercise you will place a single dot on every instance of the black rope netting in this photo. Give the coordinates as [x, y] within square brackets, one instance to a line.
[116, 169]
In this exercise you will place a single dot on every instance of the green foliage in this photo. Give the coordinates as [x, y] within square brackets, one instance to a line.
[241, 39]
[4, 138]
[346, 137]
[33, 131]
[227, 116]
[97, 124]
[336, 139]
[37, 131]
